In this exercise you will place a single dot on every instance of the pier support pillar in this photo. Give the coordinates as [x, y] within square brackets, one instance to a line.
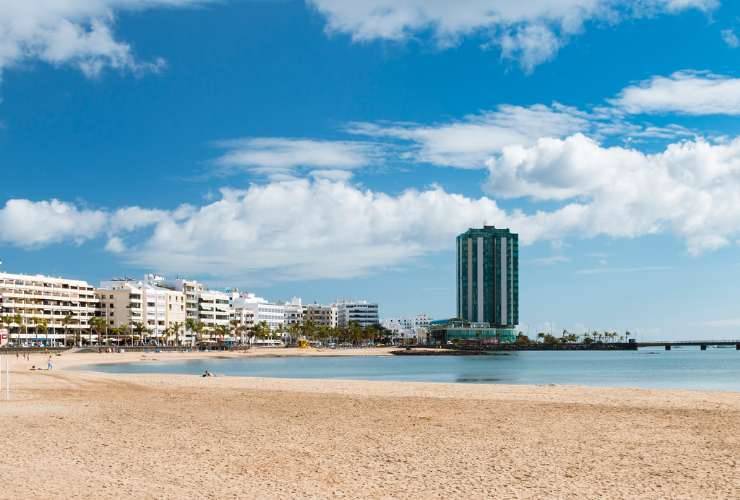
[668, 347]
[703, 347]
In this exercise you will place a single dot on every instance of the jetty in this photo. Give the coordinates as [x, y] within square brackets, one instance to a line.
[702, 344]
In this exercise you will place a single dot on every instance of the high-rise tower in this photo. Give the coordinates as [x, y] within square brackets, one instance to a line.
[488, 276]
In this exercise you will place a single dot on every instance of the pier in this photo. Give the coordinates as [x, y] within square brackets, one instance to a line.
[701, 344]
[632, 345]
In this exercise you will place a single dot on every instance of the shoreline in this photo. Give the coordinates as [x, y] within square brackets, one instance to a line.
[74, 362]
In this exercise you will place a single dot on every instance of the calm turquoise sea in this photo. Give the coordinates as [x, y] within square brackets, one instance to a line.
[686, 368]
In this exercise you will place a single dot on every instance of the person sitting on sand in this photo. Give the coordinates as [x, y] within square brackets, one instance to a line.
[33, 367]
[207, 374]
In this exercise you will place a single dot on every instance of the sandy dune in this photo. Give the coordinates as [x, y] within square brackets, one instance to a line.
[76, 434]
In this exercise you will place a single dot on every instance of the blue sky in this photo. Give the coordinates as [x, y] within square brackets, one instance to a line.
[333, 149]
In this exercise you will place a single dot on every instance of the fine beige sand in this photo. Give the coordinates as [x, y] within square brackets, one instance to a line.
[69, 433]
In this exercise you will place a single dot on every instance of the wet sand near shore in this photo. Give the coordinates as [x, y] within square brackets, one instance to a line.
[70, 433]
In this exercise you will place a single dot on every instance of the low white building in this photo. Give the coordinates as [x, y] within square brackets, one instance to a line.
[408, 329]
[250, 307]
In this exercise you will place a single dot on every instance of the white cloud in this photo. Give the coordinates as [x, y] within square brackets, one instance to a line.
[115, 245]
[32, 224]
[279, 157]
[687, 92]
[530, 31]
[730, 38]
[74, 32]
[690, 189]
[133, 218]
[469, 142]
[310, 229]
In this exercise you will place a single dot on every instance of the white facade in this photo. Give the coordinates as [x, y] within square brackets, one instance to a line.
[361, 312]
[408, 329]
[294, 311]
[214, 308]
[258, 310]
[46, 300]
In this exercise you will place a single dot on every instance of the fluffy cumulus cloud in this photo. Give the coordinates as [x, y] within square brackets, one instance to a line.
[530, 31]
[686, 92]
[691, 189]
[298, 229]
[281, 158]
[74, 32]
[32, 224]
[310, 229]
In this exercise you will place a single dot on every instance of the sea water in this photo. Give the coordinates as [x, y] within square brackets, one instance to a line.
[684, 368]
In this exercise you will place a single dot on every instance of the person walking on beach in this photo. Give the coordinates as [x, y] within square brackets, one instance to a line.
[48, 365]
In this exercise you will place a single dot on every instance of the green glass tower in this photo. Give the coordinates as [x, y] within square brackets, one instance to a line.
[488, 276]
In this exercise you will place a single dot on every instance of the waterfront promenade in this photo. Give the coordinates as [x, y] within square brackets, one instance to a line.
[94, 435]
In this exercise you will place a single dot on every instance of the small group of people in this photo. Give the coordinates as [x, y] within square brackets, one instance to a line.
[207, 374]
[25, 355]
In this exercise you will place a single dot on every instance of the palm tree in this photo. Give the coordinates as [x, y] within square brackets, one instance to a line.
[18, 320]
[234, 328]
[66, 321]
[42, 328]
[221, 331]
[239, 331]
[261, 330]
[355, 332]
[190, 324]
[199, 329]
[139, 329]
[294, 330]
[176, 328]
[97, 324]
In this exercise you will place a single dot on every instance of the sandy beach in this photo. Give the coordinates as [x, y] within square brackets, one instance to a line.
[70, 433]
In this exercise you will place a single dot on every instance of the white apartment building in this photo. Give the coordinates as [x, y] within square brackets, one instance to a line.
[214, 308]
[294, 312]
[320, 315]
[257, 310]
[361, 312]
[125, 303]
[37, 299]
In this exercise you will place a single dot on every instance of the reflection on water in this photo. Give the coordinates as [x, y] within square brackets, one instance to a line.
[681, 368]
